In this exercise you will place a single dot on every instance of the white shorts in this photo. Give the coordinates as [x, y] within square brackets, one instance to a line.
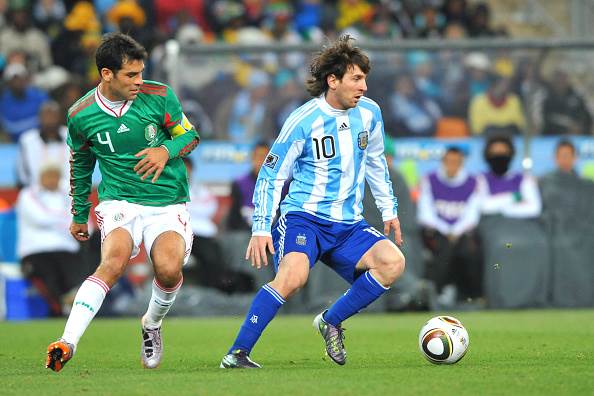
[144, 223]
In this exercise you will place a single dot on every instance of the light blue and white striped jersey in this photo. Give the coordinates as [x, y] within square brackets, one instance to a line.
[329, 153]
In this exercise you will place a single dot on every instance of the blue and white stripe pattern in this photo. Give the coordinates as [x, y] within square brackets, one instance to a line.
[274, 293]
[329, 153]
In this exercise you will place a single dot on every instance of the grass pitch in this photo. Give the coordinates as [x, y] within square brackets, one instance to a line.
[511, 353]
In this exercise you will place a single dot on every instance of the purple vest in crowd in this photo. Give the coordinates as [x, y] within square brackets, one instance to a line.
[498, 184]
[246, 185]
[450, 201]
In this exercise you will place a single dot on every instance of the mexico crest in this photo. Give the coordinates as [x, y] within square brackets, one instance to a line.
[150, 132]
[362, 139]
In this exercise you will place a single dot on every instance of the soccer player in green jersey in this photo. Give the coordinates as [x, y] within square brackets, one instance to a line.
[138, 134]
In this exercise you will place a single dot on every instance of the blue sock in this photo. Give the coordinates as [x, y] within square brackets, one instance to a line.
[263, 309]
[365, 290]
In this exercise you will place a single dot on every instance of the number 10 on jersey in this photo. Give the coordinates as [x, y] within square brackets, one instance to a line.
[324, 147]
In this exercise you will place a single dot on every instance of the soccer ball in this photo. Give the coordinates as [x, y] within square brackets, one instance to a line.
[443, 340]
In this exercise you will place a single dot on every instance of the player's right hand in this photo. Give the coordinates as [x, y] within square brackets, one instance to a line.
[80, 232]
[256, 250]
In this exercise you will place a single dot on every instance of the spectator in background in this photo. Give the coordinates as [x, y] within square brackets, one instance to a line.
[279, 26]
[505, 192]
[49, 16]
[410, 112]
[21, 35]
[128, 17]
[242, 192]
[564, 110]
[421, 64]
[20, 103]
[288, 96]
[52, 262]
[429, 23]
[72, 47]
[497, 111]
[351, 12]
[169, 13]
[453, 75]
[41, 145]
[455, 12]
[211, 269]
[68, 93]
[477, 74]
[528, 84]
[480, 22]
[568, 215]
[244, 117]
[449, 212]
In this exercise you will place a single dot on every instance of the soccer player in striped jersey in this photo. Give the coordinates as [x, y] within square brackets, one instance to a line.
[138, 133]
[329, 146]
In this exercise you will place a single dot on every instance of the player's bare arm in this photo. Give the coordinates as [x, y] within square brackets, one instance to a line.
[256, 250]
[394, 224]
[153, 160]
[80, 232]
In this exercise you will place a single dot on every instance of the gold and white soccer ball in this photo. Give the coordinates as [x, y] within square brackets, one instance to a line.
[443, 340]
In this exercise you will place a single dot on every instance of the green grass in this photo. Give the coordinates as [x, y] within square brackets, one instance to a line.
[511, 353]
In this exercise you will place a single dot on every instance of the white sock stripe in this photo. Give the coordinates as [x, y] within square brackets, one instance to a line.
[99, 282]
[274, 293]
[169, 289]
[371, 279]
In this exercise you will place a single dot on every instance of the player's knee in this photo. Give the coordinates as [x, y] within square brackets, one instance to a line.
[169, 276]
[111, 268]
[167, 257]
[392, 266]
[288, 285]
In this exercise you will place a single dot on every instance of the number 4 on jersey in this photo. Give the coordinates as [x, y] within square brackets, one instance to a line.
[106, 141]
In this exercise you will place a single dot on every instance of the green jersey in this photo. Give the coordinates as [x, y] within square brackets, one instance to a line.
[112, 137]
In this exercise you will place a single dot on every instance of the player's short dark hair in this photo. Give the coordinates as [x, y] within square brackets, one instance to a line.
[116, 49]
[455, 150]
[565, 143]
[499, 139]
[335, 59]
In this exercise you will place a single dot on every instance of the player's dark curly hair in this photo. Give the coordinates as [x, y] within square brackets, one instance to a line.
[335, 59]
[117, 48]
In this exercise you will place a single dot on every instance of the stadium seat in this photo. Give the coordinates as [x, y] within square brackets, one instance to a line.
[451, 128]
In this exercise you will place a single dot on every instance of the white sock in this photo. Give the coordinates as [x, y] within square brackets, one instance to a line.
[161, 300]
[86, 304]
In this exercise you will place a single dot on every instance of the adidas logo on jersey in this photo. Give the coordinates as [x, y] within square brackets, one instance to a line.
[123, 128]
[343, 127]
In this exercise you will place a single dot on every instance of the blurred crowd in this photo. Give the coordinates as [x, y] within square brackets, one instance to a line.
[47, 63]
[47, 47]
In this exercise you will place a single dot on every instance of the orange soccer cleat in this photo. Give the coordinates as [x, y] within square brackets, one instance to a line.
[58, 354]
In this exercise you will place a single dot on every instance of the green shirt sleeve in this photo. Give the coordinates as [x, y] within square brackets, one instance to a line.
[184, 137]
[82, 163]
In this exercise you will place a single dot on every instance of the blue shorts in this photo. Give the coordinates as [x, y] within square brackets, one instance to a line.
[340, 246]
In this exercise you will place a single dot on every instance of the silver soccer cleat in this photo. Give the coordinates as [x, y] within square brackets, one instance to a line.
[151, 350]
[333, 338]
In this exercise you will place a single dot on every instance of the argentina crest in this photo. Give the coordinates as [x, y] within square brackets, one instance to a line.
[362, 139]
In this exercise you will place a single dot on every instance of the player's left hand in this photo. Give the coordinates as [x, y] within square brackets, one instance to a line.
[395, 225]
[153, 161]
